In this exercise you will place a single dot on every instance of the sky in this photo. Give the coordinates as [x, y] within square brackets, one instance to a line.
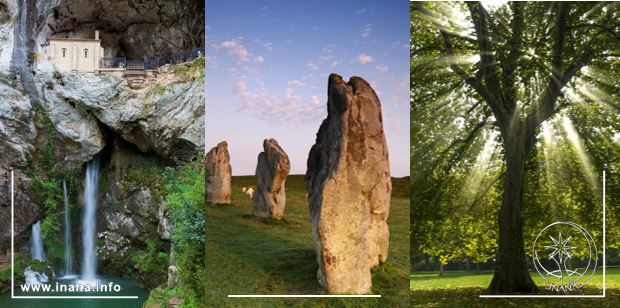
[267, 71]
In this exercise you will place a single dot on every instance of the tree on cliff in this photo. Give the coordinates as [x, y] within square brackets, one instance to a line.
[510, 69]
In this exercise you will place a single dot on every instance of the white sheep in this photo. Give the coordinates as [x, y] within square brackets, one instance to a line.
[250, 192]
[243, 189]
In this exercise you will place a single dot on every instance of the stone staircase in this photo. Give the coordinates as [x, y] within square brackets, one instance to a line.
[135, 78]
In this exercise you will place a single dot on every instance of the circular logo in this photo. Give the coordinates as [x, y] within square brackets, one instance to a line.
[565, 256]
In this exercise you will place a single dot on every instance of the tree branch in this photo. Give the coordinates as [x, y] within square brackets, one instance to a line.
[510, 65]
[474, 82]
[558, 79]
[487, 63]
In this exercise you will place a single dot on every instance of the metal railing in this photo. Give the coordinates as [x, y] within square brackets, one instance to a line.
[116, 62]
[152, 63]
[136, 64]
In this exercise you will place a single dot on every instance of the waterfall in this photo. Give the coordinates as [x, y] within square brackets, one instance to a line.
[36, 243]
[68, 251]
[33, 277]
[89, 255]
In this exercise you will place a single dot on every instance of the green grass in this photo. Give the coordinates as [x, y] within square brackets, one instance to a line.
[251, 256]
[460, 288]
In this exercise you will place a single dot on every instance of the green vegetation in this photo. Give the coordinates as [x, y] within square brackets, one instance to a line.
[499, 149]
[191, 70]
[461, 289]
[263, 256]
[151, 259]
[46, 158]
[22, 260]
[158, 89]
[185, 201]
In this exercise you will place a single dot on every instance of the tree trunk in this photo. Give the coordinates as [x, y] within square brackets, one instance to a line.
[511, 273]
[441, 269]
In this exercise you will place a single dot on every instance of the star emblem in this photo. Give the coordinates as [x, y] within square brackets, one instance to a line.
[560, 248]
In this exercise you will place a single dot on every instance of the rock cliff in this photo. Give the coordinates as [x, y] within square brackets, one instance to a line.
[52, 122]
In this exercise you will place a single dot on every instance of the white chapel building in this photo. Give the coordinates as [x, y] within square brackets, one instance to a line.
[76, 55]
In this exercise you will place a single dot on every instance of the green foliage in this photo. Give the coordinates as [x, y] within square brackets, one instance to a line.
[160, 296]
[191, 70]
[158, 89]
[147, 171]
[48, 194]
[151, 259]
[22, 261]
[47, 156]
[455, 191]
[185, 201]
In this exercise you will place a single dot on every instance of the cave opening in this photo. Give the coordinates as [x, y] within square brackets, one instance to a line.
[134, 30]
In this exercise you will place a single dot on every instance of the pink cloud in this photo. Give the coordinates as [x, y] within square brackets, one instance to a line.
[236, 50]
[367, 30]
[365, 59]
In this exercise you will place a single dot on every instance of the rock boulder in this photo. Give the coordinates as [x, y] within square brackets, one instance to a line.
[218, 182]
[271, 172]
[349, 187]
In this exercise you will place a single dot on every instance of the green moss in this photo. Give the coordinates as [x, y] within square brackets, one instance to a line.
[160, 296]
[157, 90]
[191, 70]
[146, 171]
[47, 156]
[151, 259]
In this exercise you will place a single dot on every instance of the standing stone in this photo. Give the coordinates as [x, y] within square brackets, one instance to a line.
[218, 173]
[271, 172]
[349, 187]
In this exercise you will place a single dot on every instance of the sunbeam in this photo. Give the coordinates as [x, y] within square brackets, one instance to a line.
[480, 170]
[577, 144]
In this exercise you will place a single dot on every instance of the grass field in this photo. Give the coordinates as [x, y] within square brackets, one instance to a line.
[251, 256]
[459, 288]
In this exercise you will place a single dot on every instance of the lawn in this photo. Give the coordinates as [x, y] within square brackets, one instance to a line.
[262, 256]
[460, 288]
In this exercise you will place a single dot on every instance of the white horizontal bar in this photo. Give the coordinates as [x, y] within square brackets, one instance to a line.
[542, 296]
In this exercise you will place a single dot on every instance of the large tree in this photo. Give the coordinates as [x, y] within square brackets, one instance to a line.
[516, 67]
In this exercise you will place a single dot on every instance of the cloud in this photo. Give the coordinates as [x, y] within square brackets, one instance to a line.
[360, 11]
[367, 30]
[382, 68]
[286, 108]
[240, 85]
[259, 59]
[296, 83]
[365, 59]
[312, 66]
[325, 58]
[315, 102]
[268, 46]
[263, 11]
[236, 50]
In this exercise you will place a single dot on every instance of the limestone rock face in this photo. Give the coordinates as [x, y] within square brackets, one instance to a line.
[8, 15]
[218, 172]
[27, 212]
[18, 134]
[165, 118]
[271, 172]
[349, 187]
